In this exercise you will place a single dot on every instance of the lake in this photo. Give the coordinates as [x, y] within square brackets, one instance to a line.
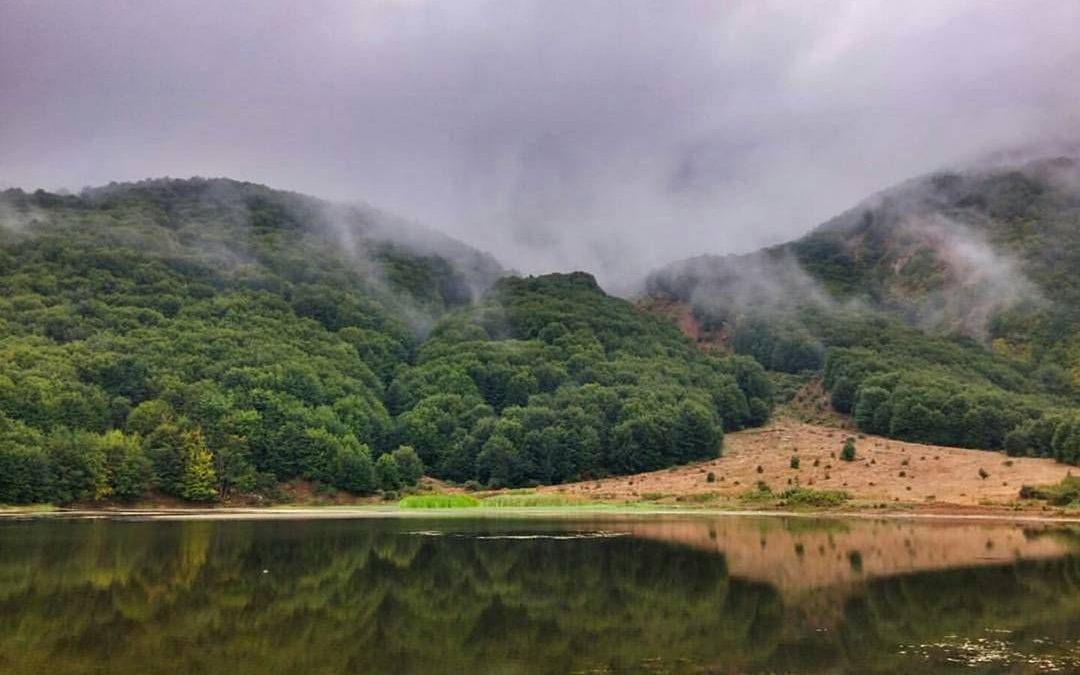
[600, 593]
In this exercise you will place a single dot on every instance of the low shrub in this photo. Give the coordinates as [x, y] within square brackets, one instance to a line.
[439, 502]
[697, 498]
[761, 492]
[528, 500]
[848, 453]
[1065, 493]
[808, 497]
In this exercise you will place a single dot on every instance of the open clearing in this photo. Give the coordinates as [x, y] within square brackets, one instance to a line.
[885, 471]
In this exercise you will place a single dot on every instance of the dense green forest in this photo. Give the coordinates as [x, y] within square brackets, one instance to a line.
[208, 338]
[202, 338]
[946, 310]
[549, 379]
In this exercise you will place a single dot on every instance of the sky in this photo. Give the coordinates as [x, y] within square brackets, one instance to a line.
[609, 136]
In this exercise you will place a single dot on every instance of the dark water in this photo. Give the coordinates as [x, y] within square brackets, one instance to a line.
[652, 594]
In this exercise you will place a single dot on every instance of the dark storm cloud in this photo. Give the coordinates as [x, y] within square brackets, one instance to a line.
[612, 136]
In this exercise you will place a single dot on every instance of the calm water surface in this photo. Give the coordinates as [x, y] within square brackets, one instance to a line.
[640, 594]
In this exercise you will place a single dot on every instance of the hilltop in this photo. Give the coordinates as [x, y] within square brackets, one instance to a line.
[945, 310]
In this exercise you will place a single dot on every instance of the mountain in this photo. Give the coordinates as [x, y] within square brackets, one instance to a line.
[209, 338]
[945, 310]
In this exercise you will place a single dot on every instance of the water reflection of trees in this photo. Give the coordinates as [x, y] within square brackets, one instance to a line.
[1031, 599]
[347, 597]
[339, 598]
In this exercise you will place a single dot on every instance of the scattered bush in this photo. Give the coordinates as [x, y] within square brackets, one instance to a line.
[848, 453]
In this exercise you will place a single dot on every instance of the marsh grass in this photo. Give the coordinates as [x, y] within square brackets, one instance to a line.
[526, 500]
[439, 502]
[511, 499]
[27, 508]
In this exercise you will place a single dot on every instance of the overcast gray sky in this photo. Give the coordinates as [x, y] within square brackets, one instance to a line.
[612, 136]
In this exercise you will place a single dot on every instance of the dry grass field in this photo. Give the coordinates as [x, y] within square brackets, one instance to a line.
[884, 471]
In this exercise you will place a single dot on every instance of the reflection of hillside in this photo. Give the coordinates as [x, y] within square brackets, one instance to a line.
[362, 598]
[797, 554]
[248, 598]
[1034, 606]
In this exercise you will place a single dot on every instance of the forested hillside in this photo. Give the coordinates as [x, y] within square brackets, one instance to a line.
[549, 379]
[208, 338]
[946, 310]
[205, 337]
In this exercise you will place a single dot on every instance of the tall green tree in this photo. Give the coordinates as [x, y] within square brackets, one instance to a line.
[198, 479]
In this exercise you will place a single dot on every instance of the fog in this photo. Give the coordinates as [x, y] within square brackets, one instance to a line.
[607, 136]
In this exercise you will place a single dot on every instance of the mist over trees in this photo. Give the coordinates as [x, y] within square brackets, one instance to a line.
[943, 311]
[209, 339]
[202, 339]
[206, 339]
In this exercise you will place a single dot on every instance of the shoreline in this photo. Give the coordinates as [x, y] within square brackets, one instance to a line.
[375, 512]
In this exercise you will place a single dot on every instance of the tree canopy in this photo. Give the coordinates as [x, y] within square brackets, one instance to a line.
[207, 338]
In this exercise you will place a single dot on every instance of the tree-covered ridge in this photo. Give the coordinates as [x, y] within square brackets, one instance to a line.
[944, 310]
[202, 337]
[205, 338]
[991, 254]
[548, 379]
